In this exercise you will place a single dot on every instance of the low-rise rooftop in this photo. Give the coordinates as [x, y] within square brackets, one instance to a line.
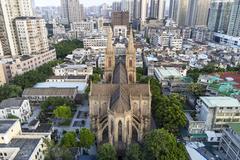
[212, 102]
[11, 103]
[5, 124]
[49, 91]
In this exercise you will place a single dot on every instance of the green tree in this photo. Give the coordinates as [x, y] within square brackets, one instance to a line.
[51, 103]
[66, 47]
[69, 140]
[134, 152]
[86, 138]
[169, 114]
[197, 89]
[107, 152]
[161, 145]
[63, 112]
[9, 91]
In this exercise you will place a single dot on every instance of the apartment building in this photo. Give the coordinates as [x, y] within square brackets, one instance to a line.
[230, 141]
[11, 67]
[218, 111]
[14, 144]
[32, 35]
[18, 107]
[82, 26]
[9, 10]
[95, 43]
[72, 70]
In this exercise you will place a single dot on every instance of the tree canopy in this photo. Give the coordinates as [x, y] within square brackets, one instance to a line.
[86, 138]
[9, 91]
[69, 140]
[197, 89]
[161, 145]
[107, 152]
[66, 47]
[134, 152]
[63, 112]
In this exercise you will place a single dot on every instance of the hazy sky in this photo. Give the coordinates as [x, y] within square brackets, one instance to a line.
[57, 2]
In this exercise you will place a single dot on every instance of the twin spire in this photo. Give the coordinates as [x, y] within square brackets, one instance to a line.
[110, 49]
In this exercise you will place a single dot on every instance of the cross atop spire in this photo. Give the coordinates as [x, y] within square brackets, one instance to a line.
[109, 49]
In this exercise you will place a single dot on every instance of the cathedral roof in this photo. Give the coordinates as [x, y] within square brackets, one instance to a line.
[120, 100]
[120, 74]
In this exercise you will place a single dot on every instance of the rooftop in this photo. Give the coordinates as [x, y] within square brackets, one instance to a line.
[26, 146]
[81, 86]
[5, 125]
[11, 102]
[212, 102]
[49, 91]
[168, 72]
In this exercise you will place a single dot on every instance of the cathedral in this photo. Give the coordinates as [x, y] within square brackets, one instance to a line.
[120, 109]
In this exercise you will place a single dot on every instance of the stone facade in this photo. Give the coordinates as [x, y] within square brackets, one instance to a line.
[120, 109]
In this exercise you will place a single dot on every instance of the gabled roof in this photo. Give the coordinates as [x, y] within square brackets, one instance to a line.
[120, 74]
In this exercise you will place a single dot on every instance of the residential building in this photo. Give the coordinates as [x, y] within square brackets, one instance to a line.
[120, 30]
[136, 9]
[95, 43]
[219, 15]
[230, 141]
[120, 18]
[72, 70]
[9, 10]
[15, 144]
[38, 95]
[157, 9]
[182, 12]
[173, 9]
[234, 23]
[31, 35]
[82, 26]
[72, 11]
[11, 67]
[143, 10]
[116, 6]
[218, 111]
[15, 107]
[68, 79]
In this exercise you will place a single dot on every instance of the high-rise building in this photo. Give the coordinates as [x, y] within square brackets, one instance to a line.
[136, 9]
[220, 11]
[234, 23]
[128, 5]
[197, 13]
[143, 10]
[157, 9]
[182, 12]
[116, 6]
[120, 18]
[173, 9]
[9, 10]
[32, 35]
[71, 11]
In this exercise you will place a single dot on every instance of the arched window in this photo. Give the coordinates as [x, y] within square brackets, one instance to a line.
[130, 78]
[109, 62]
[120, 131]
[130, 63]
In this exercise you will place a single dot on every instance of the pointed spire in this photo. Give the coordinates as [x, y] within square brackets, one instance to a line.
[109, 49]
[131, 49]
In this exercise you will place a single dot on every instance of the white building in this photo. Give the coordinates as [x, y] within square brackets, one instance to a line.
[120, 30]
[95, 43]
[166, 74]
[18, 107]
[82, 26]
[72, 70]
[9, 10]
[15, 144]
[217, 112]
[32, 35]
[176, 43]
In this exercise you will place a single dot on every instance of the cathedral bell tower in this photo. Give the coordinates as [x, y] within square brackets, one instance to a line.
[131, 60]
[109, 59]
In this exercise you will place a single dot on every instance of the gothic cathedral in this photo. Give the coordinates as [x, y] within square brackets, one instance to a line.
[120, 109]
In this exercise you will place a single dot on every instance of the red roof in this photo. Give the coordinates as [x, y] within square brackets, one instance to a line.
[234, 75]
